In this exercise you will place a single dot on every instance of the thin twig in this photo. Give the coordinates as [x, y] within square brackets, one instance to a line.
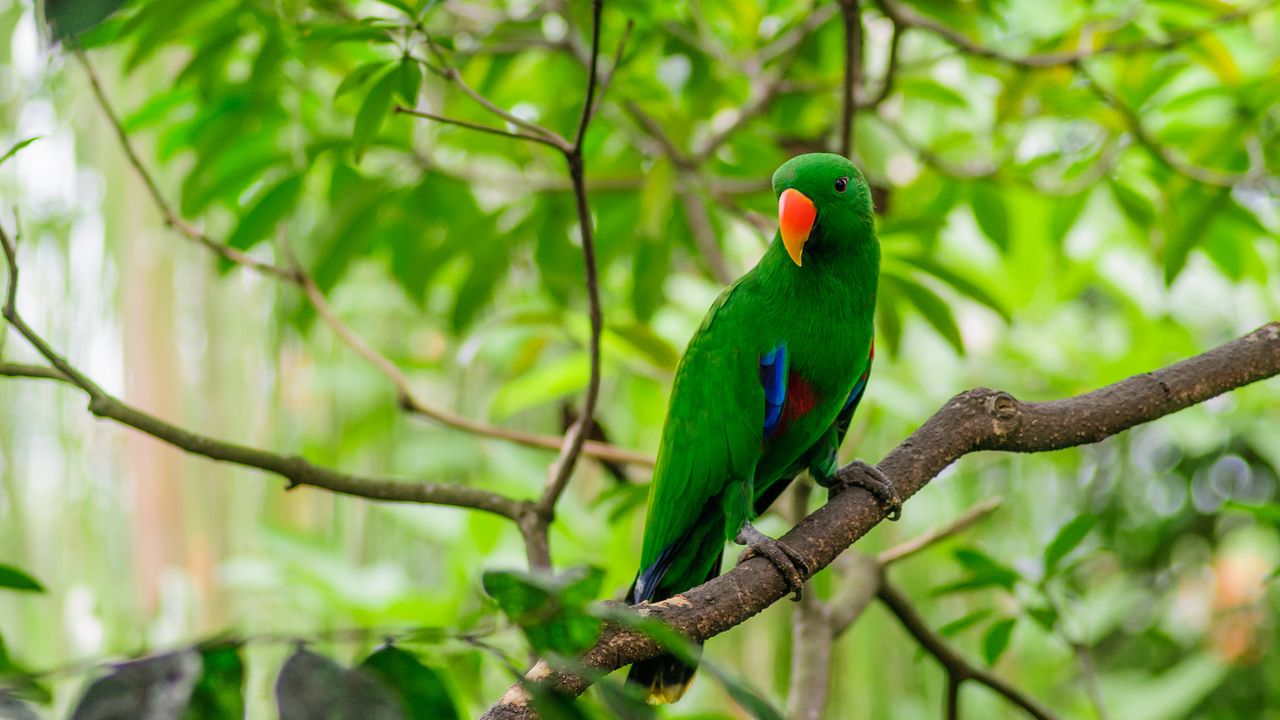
[1208, 176]
[170, 218]
[294, 469]
[958, 668]
[851, 10]
[964, 522]
[905, 15]
[476, 126]
[450, 73]
[296, 276]
[562, 469]
[890, 72]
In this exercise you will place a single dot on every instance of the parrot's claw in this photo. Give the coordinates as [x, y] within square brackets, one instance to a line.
[791, 566]
[869, 478]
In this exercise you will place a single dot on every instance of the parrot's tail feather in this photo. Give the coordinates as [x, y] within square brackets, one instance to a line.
[665, 678]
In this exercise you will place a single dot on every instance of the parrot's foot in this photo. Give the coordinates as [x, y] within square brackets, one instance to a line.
[869, 478]
[792, 567]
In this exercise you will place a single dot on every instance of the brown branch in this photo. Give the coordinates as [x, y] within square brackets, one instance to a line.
[409, 401]
[400, 109]
[890, 73]
[966, 520]
[171, 218]
[562, 469]
[38, 372]
[980, 419]
[958, 668]
[906, 16]
[294, 469]
[851, 10]
[816, 625]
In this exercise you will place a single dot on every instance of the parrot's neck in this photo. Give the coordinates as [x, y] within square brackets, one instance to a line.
[838, 274]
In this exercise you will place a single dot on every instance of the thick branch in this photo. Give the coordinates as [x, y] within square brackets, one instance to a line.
[980, 419]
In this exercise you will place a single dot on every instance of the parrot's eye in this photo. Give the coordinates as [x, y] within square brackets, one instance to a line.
[841, 184]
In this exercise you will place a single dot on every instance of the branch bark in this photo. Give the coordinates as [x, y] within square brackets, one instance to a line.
[980, 419]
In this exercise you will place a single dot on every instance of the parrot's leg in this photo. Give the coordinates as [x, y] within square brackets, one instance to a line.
[869, 478]
[792, 567]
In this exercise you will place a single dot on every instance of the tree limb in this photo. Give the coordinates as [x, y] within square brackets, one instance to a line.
[904, 15]
[294, 469]
[980, 419]
[408, 400]
[958, 668]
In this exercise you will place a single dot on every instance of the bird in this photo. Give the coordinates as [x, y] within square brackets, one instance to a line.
[765, 390]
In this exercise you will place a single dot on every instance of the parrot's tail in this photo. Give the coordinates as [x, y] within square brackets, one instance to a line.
[666, 677]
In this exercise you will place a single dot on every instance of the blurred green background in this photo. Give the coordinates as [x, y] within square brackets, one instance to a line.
[1046, 230]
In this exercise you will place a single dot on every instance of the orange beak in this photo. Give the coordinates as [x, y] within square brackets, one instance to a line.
[796, 214]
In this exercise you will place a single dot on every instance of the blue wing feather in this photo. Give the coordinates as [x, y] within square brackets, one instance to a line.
[773, 376]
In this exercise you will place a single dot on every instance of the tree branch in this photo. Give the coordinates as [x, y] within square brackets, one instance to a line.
[408, 400]
[1208, 176]
[851, 10]
[904, 15]
[171, 218]
[980, 419]
[400, 109]
[958, 668]
[294, 469]
[562, 469]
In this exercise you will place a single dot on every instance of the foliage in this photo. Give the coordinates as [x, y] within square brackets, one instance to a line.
[1047, 228]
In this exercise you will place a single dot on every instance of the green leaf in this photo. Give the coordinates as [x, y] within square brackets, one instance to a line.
[156, 687]
[1266, 512]
[546, 382]
[373, 112]
[1189, 226]
[996, 641]
[11, 708]
[311, 686]
[984, 572]
[219, 693]
[410, 79]
[1140, 210]
[11, 578]
[358, 77]
[1068, 537]
[959, 283]
[68, 18]
[551, 610]
[959, 625]
[422, 692]
[1044, 615]
[18, 147]
[991, 212]
[935, 310]
[272, 207]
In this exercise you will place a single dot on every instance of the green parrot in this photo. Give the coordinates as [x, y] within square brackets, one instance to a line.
[766, 390]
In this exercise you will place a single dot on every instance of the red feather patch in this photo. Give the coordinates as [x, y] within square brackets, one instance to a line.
[801, 398]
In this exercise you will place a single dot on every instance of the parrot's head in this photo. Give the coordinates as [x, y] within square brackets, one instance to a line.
[824, 205]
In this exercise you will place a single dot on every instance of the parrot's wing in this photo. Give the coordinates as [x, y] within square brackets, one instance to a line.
[711, 439]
